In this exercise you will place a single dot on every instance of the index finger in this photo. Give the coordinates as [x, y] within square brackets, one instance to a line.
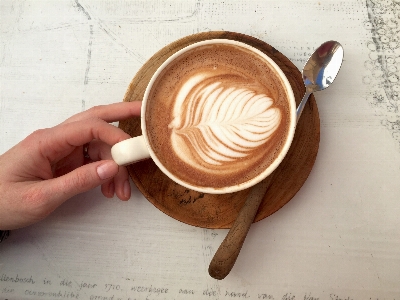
[58, 141]
[109, 113]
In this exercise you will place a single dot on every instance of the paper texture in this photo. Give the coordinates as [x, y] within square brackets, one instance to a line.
[338, 238]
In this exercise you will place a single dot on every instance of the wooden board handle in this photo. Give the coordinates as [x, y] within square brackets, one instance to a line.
[227, 253]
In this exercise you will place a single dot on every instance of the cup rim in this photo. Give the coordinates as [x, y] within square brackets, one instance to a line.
[271, 167]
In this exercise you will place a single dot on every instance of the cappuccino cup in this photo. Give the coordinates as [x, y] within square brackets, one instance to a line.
[218, 116]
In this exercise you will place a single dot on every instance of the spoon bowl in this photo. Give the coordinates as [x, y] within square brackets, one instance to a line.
[320, 70]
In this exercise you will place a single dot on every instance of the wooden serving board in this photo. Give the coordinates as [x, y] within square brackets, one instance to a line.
[220, 211]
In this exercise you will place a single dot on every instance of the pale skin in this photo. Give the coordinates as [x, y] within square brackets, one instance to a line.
[48, 167]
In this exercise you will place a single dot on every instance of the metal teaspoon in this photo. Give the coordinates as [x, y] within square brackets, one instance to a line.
[318, 73]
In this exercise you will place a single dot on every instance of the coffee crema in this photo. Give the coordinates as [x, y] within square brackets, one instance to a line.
[217, 116]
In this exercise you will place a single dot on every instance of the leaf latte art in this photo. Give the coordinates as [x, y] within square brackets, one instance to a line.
[220, 120]
[217, 117]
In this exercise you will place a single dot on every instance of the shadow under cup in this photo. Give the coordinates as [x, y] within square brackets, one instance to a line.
[217, 117]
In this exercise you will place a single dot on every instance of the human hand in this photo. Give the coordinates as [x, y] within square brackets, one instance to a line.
[48, 167]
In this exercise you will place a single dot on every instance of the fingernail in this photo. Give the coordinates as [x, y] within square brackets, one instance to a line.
[127, 189]
[107, 170]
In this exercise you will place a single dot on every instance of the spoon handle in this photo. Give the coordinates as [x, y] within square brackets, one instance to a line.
[227, 253]
[301, 105]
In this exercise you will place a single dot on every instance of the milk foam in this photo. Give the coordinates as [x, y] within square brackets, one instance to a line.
[222, 118]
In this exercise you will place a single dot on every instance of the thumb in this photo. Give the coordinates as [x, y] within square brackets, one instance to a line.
[80, 180]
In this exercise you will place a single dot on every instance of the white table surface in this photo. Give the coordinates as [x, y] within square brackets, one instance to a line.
[338, 238]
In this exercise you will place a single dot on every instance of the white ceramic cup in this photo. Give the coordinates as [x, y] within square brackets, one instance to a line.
[137, 148]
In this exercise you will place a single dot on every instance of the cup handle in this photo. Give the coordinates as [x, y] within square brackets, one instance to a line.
[130, 151]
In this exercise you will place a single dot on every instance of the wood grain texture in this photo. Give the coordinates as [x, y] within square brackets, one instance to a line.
[220, 211]
[227, 253]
